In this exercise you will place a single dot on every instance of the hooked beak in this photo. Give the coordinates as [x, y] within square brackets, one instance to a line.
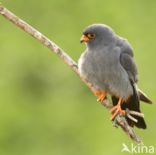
[84, 38]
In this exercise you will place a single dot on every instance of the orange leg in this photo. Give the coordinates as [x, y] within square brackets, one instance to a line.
[117, 110]
[101, 95]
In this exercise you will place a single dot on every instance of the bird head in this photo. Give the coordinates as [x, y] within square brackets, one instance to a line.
[97, 34]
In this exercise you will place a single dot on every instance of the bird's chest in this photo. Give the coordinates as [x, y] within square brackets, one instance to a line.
[98, 68]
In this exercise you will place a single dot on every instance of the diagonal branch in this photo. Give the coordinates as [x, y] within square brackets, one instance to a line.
[120, 120]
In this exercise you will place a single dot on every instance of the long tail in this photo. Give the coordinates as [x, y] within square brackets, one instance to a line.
[133, 103]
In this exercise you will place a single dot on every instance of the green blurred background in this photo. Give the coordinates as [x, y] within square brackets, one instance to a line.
[45, 109]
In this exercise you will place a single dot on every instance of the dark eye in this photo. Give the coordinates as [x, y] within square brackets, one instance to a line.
[91, 35]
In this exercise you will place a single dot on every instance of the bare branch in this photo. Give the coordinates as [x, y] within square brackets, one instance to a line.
[120, 120]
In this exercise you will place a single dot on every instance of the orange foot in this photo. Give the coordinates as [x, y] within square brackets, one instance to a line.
[101, 95]
[117, 110]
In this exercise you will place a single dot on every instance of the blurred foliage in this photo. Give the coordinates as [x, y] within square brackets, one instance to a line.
[45, 109]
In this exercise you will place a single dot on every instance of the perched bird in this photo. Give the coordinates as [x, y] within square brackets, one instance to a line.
[109, 65]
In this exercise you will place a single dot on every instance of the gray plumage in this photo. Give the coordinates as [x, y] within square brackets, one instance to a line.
[109, 65]
[108, 62]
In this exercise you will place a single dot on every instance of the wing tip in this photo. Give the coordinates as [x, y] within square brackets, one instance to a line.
[144, 97]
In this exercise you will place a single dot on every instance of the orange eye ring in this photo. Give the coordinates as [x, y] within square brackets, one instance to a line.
[91, 36]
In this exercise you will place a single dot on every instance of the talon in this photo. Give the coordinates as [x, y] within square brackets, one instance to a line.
[112, 109]
[101, 98]
[101, 95]
[117, 110]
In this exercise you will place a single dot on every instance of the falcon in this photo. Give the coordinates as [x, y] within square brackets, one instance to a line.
[108, 64]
